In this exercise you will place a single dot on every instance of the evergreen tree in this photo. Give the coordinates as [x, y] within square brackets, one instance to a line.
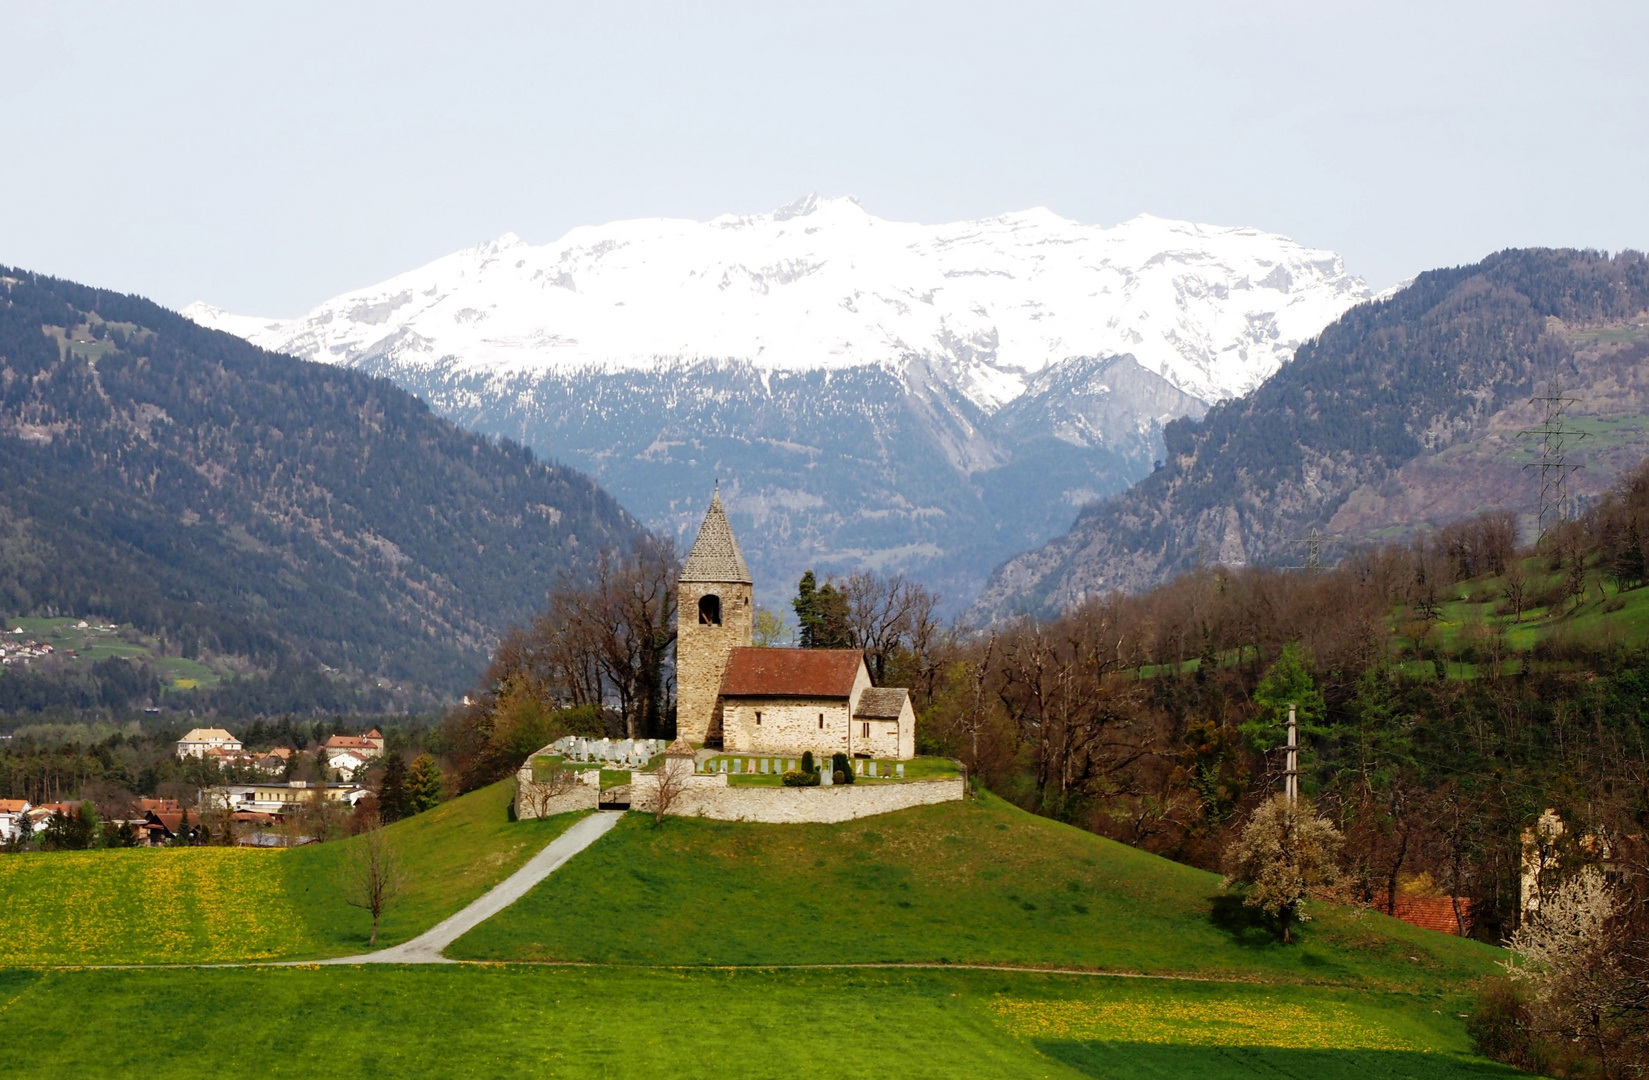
[821, 614]
[392, 790]
[1287, 682]
[424, 786]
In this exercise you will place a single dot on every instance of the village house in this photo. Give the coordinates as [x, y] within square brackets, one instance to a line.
[199, 741]
[736, 697]
[348, 754]
[11, 816]
[279, 797]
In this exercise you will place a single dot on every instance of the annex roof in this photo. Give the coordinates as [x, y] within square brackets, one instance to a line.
[349, 742]
[716, 555]
[882, 703]
[812, 673]
[13, 806]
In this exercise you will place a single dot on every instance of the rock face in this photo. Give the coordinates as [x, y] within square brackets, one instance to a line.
[1403, 414]
[871, 393]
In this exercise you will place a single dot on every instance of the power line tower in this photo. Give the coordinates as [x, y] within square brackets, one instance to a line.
[1555, 435]
[1313, 543]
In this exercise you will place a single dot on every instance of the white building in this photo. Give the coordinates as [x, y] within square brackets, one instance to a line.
[280, 797]
[200, 740]
[11, 812]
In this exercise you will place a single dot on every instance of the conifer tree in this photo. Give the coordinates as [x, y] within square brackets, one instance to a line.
[392, 790]
[425, 786]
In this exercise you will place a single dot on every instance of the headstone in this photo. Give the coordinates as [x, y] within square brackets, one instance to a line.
[858, 767]
[765, 764]
[723, 764]
[825, 777]
[901, 770]
[873, 769]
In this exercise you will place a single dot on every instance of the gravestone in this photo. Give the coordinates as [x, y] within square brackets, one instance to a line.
[826, 779]
[858, 767]
[723, 764]
[901, 770]
[873, 769]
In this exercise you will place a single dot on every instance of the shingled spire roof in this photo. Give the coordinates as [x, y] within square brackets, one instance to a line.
[716, 555]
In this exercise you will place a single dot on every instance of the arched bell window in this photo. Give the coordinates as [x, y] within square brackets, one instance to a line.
[710, 610]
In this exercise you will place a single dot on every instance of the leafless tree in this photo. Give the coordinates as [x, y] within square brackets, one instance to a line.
[372, 875]
[671, 782]
[539, 797]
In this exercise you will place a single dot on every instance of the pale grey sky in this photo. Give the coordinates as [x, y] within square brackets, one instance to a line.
[266, 157]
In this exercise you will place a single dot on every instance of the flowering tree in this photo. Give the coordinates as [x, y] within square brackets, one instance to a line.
[1285, 853]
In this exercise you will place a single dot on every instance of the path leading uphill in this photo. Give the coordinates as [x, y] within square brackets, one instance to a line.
[426, 947]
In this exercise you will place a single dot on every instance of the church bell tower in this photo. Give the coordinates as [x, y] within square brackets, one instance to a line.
[715, 611]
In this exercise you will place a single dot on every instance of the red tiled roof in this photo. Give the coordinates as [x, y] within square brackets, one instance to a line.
[12, 806]
[1427, 912]
[812, 673]
[349, 742]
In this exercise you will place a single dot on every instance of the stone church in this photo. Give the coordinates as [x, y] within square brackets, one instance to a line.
[735, 697]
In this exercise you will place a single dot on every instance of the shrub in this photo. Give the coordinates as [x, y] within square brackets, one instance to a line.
[801, 778]
[842, 767]
[807, 763]
[1499, 1026]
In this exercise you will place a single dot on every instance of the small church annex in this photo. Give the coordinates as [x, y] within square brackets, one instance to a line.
[733, 696]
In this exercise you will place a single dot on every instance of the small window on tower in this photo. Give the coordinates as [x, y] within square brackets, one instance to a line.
[758, 716]
[710, 610]
[821, 721]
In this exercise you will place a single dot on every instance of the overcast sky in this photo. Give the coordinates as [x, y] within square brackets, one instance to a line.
[265, 158]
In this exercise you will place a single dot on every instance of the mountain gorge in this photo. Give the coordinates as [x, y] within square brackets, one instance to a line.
[872, 394]
[1404, 413]
[269, 512]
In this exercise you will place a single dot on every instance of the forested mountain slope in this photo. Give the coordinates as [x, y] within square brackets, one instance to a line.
[1402, 413]
[247, 504]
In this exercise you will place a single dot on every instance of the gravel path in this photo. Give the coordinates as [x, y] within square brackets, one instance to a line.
[426, 947]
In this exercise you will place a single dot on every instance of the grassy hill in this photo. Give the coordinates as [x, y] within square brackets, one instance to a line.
[974, 882]
[217, 905]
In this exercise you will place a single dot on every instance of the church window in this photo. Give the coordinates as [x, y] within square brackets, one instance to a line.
[710, 610]
[758, 716]
[867, 731]
[821, 721]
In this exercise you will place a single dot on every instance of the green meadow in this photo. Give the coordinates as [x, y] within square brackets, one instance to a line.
[217, 905]
[575, 1022]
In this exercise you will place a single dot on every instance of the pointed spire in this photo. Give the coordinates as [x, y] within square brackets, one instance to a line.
[716, 555]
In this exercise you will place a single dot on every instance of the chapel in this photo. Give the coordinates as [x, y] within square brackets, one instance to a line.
[733, 696]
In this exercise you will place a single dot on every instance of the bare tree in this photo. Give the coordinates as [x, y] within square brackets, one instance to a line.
[539, 797]
[671, 779]
[1284, 854]
[372, 875]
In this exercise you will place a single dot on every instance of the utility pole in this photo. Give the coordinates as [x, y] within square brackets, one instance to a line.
[1313, 543]
[1291, 773]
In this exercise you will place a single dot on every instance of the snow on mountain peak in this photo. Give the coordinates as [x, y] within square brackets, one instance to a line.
[824, 284]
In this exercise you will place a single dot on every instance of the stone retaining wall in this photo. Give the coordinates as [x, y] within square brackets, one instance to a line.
[709, 795]
[533, 799]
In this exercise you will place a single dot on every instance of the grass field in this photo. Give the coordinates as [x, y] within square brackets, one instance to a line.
[979, 881]
[100, 641]
[557, 1022]
[209, 905]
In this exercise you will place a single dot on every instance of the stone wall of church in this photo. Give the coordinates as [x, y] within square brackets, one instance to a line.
[702, 650]
[787, 726]
[710, 796]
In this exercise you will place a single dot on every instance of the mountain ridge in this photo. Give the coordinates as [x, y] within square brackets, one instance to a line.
[873, 394]
[1393, 392]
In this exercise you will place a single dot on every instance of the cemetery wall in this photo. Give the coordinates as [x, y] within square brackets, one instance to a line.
[710, 796]
[534, 800]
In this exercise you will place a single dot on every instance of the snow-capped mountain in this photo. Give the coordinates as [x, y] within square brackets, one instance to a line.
[872, 393]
